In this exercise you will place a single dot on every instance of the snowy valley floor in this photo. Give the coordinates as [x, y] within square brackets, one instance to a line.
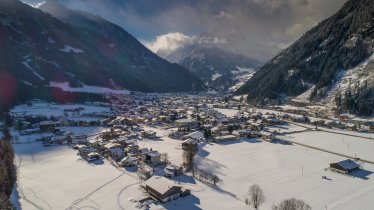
[56, 178]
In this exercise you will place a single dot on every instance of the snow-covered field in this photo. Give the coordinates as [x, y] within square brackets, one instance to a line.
[87, 89]
[276, 167]
[56, 178]
[353, 146]
[286, 171]
[56, 109]
[228, 112]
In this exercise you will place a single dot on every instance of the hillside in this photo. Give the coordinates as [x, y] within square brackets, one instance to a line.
[217, 68]
[37, 48]
[318, 60]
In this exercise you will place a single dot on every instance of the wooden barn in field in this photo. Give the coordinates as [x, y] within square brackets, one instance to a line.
[345, 166]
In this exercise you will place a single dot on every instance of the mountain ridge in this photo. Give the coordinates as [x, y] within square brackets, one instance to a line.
[36, 49]
[337, 44]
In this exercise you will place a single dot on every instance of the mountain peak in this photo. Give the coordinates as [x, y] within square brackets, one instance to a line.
[54, 7]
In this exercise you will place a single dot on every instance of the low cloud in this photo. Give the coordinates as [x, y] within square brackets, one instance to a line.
[165, 44]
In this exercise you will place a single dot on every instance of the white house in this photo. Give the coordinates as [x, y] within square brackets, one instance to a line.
[197, 135]
[115, 150]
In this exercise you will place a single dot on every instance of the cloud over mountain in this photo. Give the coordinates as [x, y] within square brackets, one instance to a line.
[255, 28]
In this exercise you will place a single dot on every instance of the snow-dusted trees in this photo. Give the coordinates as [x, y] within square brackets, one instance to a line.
[205, 176]
[292, 204]
[255, 196]
[7, 170]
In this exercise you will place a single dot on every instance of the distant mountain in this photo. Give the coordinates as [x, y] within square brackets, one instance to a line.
[317, 66]
[218, 68]
[37, 48]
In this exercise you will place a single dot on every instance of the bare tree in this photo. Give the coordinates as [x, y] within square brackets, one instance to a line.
[202, 175]
[255, 197]
[292, 204]
[215, 179]
[188, 156]
[195, 172]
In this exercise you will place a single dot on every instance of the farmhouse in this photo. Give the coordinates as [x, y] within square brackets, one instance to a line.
[132, 149]
[30, 131]
[72, 112]
[173, 170]
[92, 156]
[79, 139]
[256, 126]
[370, 127]
[197, 136]
[345, 166]
[114, 149]
[351, 127]
[164, 189]
[189, 143]
[176, 135]
[187, 124]
[267, 136]
[224, 138]
[47, 126]
[153, 157]
[149, 134]
[128, 161]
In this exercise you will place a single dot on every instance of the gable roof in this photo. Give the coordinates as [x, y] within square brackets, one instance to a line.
[195, 135]
[348, 164]
[160, 184]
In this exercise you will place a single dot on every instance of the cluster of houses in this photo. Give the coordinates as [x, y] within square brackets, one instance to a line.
[193, 119]
[321, 116]
[118, 143]
[29, 123]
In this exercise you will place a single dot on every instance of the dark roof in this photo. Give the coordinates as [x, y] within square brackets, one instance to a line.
[348, 164]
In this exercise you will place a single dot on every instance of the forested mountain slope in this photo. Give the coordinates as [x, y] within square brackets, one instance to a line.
[319, 60]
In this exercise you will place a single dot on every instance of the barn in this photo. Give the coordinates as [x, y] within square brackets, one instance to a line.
[345, 166]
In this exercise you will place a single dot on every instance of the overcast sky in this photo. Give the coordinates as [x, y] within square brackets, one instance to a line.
[256, 28]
